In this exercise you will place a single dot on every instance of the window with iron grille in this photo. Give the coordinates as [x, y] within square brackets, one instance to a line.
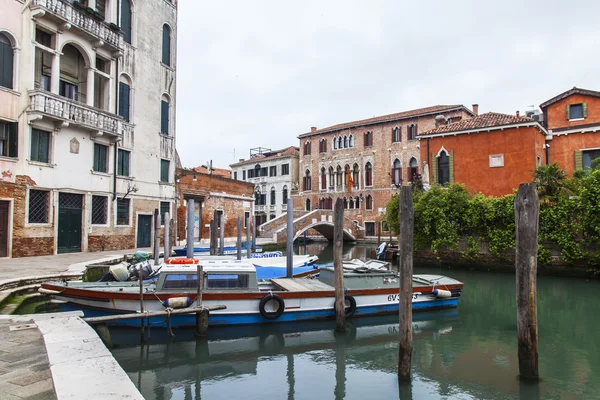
[40, 146]
[165, 207]
[100, 152]
[99, 210]
[38, 206]
[164, 170]
[122, 211]
[123, 163]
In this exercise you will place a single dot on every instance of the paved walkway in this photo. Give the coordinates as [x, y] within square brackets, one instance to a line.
[24, 367]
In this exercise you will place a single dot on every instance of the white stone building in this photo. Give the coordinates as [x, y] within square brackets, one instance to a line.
[274, 175]
[87, 123]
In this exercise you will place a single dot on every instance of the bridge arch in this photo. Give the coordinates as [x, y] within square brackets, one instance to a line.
[326, 229]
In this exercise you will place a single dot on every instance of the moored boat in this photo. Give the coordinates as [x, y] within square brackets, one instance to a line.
[233, 283]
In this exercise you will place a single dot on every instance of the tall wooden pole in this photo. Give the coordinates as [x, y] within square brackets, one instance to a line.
[222, 236]
[405, 243]
[190, 229]
[527, 211]
[289, 248]
[156, 252]
[239, 238]
[213, 237]
[338, 246]
[167, 236]
[248, 239]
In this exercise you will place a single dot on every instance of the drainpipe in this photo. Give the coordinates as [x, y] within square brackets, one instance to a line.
[547, 146]
[116, 141]
[428, 157]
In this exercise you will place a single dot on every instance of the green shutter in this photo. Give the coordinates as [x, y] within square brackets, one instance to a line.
[126, 20]
[568, 111]
[434, 168]
[13, 139]
[584, 107]
[35, 144]
[124, 97]
[578, 156]
[451, 166]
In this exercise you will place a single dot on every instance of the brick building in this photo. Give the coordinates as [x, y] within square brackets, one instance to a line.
[492, 153]
[87, 132]
[573, 121]
[366, 161]
[212, 190]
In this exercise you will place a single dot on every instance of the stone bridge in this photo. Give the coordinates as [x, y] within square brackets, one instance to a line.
[319, 220]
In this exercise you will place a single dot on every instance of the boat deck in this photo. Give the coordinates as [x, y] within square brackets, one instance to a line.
[301, 285]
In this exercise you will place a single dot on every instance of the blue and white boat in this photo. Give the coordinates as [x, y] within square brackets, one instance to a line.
[233, 283]
[204, 251]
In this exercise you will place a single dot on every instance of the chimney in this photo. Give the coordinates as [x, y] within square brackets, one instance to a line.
[476, 109]
[440, 120]
[517, 113]
[313, 128]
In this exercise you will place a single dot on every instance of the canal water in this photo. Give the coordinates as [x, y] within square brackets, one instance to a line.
[466, 353]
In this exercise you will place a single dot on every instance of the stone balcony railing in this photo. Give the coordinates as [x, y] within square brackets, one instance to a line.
[72, 112]
[284, 207]
[258, 179]
[272, 207]
[260, 208]
[77, 18]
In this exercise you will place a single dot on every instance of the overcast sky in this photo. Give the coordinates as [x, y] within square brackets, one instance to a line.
[259, 73]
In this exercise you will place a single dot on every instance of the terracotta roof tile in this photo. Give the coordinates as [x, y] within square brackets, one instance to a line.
[215, 171]
[483, 121]
[568, 93]
[389, 117]
[288, 151]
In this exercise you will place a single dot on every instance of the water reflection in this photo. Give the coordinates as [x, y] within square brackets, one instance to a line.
[467, 353]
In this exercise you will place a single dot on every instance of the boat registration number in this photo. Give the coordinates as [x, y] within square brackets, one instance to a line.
[396, 297]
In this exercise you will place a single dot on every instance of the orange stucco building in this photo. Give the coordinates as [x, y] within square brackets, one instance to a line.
[492, 153]
[573, 123]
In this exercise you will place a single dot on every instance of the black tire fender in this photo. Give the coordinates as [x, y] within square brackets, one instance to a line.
[275, 314]
[349, 310]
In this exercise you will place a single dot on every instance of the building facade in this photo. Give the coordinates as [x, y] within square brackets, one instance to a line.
[87, 123]
[365, 162]
[212, 190]
[491, 154]
[274, 175]
[573, 122]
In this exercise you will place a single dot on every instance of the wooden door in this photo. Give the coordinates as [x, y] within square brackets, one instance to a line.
[144, 231]
[4, 228]
[69, 222]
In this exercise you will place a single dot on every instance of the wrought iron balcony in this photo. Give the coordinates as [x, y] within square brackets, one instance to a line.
[73, 16]
[62, 109]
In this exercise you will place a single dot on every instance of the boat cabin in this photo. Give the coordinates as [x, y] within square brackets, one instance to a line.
[221, 275]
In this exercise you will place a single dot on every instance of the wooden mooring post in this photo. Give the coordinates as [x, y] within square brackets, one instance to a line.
[405, 245]
[289, 247]
[222, 235]
[239, 238]
[141, 279]
[202, 314]
[167, 236]
[190, 229]
[214, 234]
[156, 252]
[253, 234]
[527, 211]
[338, 246]
[248, 240]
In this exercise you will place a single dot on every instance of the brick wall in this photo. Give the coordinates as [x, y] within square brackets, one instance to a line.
[381, 155]
[215, 193]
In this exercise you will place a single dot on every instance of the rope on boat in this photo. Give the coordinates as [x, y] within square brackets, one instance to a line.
[169, 331]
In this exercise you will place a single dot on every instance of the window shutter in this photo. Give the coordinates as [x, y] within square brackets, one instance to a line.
[568, 111]
[6, 65]
[578, 156]
[399, 133]
[451, 166]
[124, 98]
[164, 117]
[166, 46]
[393, 135]
[434, 168]
[13, 139]
[584, 107]
[416, 131]
[126, 20]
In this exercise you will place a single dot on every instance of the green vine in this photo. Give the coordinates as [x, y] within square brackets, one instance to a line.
[569, 219]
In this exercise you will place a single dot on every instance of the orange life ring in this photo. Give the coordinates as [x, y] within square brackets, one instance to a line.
[181, 261]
